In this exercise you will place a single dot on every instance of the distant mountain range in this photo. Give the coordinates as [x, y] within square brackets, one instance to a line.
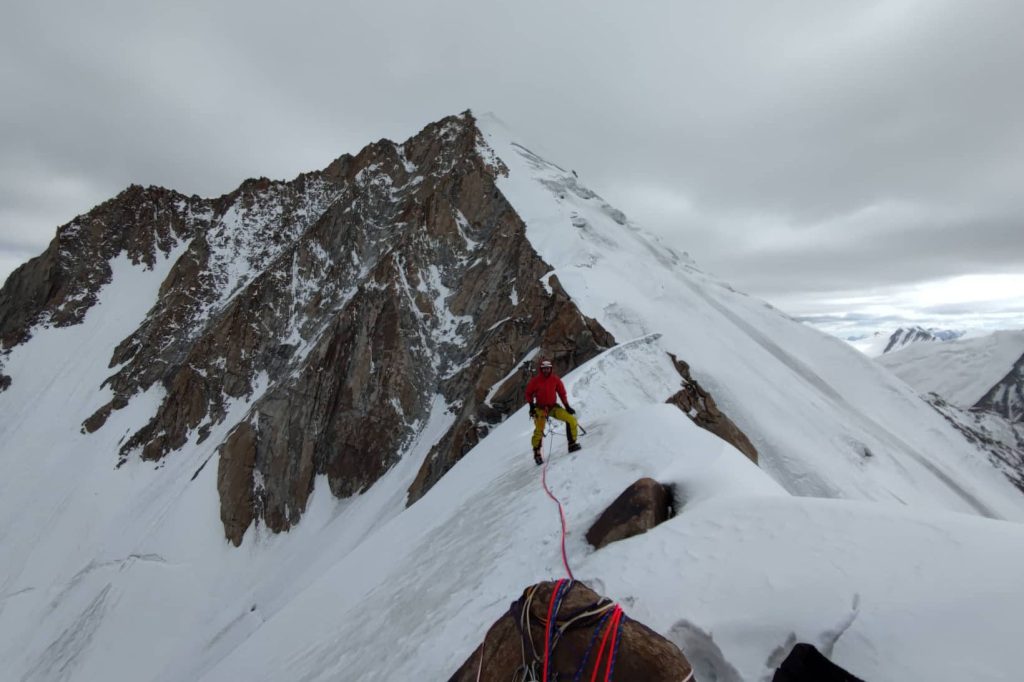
[880, 342]
[978, 385]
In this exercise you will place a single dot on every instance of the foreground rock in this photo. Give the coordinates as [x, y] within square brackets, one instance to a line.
[643, 655]
[639, 508]
[807, 664]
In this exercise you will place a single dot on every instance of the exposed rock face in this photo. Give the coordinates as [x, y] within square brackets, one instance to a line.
[642, 655]
[59, 286]
[701, 408]
[1000, 438]
[903, 337]
[348, 307]
[1006, 398]
[639, 508]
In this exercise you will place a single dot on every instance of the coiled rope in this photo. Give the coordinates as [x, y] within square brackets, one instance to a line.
[605, 616]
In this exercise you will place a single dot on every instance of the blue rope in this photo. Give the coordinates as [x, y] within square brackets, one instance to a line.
[563, 590]
[590, 648]
[615, 651]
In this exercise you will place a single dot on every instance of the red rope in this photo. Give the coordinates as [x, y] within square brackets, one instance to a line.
[612, 629]
[613, 624]
[611, 645]
[548, 626]
[561, 513]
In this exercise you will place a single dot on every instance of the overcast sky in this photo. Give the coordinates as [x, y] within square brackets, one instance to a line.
[860, 163]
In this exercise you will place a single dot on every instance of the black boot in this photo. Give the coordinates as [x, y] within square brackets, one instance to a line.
[536, 456]
[574, 446]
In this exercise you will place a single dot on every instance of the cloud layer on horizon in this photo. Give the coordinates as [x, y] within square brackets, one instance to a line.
[797, 149]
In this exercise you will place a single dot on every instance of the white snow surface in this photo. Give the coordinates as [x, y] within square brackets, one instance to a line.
[960, 371]
[124, 574]
[873, 346]
[363, 589]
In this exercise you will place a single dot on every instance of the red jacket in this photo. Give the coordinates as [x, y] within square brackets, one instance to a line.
[544, 389]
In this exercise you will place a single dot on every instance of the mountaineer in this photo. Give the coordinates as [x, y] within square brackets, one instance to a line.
[541, 393]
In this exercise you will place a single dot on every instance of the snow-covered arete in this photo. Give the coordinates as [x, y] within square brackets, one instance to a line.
[109, 574]
[826, 421]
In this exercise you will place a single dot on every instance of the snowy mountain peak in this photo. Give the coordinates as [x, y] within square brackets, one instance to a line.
[902, 338]
[395, 288]
[880, 343]
[342, 356]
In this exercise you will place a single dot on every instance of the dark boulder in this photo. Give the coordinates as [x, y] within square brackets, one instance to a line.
[639, 508]
[807, 664]
[642, 655]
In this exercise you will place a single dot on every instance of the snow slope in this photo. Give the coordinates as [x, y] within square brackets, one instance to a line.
[827, 421]
[960, 371]
[873, 345]
[125, 576]
[743, 560]
[125, 573]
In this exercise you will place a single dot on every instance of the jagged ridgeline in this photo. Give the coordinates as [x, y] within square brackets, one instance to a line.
[354, 306]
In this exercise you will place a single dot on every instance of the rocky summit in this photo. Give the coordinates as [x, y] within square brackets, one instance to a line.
[360, 299]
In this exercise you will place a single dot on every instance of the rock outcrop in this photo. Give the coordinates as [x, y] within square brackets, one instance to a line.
[639, 508]
[59, 286]
[700, 407]
[903, 337]
[1006, 398]
[642, 653]
[999, 438]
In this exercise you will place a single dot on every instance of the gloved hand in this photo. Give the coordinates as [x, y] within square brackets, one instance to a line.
[533, 412]
[570, 410]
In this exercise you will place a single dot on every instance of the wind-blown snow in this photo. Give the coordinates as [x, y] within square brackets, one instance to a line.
[960, 371]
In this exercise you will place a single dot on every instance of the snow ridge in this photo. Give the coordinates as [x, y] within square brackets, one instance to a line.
[825, 420]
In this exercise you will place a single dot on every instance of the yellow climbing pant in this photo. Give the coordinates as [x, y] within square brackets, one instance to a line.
[542, 417]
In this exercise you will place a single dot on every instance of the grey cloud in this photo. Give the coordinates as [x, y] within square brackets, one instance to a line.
[714, 124]
[903, 253]
[958, 309]
[858, 318]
